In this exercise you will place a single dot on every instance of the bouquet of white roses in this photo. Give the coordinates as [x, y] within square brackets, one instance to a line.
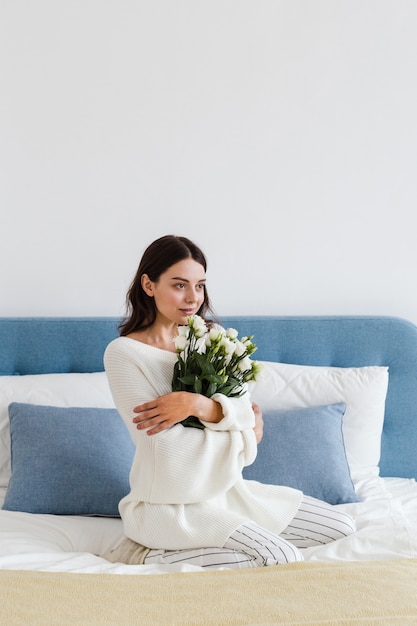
[212, 361]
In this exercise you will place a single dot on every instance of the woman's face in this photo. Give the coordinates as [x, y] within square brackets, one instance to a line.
[179, 291]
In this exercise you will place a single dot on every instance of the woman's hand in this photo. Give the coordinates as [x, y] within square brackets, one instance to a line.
[258, 429]
[171, 408]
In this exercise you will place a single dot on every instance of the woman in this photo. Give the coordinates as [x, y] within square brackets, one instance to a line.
[188, 501]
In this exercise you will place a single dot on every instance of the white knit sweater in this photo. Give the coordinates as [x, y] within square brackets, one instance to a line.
[187, 489]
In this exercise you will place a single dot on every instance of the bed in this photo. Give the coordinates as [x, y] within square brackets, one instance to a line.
[339, 396]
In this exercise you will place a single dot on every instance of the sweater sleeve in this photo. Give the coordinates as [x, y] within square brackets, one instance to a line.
[237, 413]
[134, 378]
[179, 465]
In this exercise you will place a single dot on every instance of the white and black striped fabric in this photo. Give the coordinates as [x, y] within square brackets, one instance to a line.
[250, 545]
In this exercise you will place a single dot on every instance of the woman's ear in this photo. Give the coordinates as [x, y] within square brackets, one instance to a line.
[146, 285]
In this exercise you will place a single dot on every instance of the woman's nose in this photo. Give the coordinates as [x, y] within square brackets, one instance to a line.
[191, 295]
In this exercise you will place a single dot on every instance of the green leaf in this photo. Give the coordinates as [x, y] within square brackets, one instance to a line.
[192, 422]
[211, 390]
[187, 380]
[214, 378]
[197, 385]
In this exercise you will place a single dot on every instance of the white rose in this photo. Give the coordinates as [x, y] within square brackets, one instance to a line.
[227, 345]
[181, 343]
[201, 345]
[231, 333]
[213, 335]
[257, 370]
[228, 349]
[245, 364]
[240, 348]
[199, 325]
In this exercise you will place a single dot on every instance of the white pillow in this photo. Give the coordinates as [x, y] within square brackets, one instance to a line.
[362, 389]
[63, 390]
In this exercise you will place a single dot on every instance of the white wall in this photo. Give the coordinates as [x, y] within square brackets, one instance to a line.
[280, 135]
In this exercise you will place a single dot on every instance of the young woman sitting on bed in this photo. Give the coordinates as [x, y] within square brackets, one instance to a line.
[188, 501]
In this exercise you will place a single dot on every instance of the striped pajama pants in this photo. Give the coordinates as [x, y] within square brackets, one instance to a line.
[250, 545]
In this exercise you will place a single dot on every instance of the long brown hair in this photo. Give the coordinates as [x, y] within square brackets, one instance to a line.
[157, 258]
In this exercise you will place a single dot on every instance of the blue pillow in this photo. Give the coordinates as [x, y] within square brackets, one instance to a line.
[304, 448]
[68, 461]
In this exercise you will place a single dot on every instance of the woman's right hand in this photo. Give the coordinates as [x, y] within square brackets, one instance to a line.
[165, 411]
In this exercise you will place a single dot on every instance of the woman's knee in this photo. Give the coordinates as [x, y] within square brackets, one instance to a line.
[264, 547]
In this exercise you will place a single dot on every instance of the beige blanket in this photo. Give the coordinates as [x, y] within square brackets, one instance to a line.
[369, 593]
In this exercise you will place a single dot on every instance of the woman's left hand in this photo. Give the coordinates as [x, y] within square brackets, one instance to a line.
[259, 422]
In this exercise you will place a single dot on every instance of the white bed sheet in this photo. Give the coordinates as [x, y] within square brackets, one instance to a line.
[386, 529]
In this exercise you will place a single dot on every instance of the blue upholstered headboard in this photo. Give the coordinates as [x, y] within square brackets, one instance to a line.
[46, 345]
